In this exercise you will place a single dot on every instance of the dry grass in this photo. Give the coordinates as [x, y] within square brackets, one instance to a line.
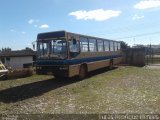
[122, 90]
[20, 73]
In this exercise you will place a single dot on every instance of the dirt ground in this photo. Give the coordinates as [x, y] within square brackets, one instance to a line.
[153, 66]
[121, 90]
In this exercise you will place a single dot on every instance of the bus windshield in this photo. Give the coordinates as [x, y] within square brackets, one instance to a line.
[52, 48]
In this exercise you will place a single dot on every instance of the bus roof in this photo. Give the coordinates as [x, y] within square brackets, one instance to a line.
[62, 34]
[48, 35]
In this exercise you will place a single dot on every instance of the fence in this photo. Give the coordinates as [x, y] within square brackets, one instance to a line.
[152, 56]
[134, 56]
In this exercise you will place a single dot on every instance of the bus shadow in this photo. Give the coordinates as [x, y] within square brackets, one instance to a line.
[100, 71]
[34, 89]
[26, 91]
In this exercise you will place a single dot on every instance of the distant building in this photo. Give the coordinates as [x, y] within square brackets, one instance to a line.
[18, 59]
[150, 49]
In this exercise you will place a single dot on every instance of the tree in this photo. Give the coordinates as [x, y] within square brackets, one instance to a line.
[124, 45]
[6, 49]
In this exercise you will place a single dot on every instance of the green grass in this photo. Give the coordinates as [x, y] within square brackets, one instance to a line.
[122, 90]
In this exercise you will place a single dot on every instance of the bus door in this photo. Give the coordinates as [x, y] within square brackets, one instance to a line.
[74, 48]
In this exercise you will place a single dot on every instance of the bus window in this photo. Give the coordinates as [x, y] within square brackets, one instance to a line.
[111, 46]
[92, 45]
[43, 48]
[115, 46]
[106, 45]
[58, 46]
[84, 44]
[100, 45]
[119, 46]
[74, 47]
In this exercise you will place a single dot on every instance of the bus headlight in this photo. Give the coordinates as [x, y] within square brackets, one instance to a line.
[63, 67]
[38, 68]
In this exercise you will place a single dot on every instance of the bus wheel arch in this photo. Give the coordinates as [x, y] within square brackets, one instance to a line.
[83, 70]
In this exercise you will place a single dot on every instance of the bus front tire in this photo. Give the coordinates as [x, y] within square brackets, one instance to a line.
[83, 72]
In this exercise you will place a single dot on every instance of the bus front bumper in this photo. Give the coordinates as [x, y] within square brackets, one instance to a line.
[55, 70]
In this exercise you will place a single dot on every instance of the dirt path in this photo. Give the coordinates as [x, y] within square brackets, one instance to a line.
[153, 66]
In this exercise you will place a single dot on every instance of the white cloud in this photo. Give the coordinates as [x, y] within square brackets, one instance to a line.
[137, 17]
[44, 26]
[19, 32]
[12, 30]
[35, 26]
[23, 32]
[146, 4]
[98, 15]
[31, 21]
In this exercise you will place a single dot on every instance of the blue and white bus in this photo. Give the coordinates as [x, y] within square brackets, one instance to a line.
[67, 54]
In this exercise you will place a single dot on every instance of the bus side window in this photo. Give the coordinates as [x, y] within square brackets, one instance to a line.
[119, 46]
[115, 46]
[106, 45]
[84, 44]
[74, 45]
[74, 48]
[111, 46]
[100, 45]
[92, 45]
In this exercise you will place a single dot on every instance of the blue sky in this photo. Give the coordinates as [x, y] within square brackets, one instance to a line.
[22, 20]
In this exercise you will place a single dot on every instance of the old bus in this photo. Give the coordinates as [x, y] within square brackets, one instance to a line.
[68, 54]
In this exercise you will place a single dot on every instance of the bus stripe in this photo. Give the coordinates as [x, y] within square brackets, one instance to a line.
[75, 61]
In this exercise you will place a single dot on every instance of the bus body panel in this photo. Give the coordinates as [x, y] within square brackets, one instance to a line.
[74, 70]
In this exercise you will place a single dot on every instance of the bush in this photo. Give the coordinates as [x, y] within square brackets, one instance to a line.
[20, 73]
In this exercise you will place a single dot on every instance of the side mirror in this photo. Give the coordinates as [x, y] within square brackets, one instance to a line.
[33, 45]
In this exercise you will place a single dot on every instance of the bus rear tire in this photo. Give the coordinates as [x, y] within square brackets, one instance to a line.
[82, 72]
